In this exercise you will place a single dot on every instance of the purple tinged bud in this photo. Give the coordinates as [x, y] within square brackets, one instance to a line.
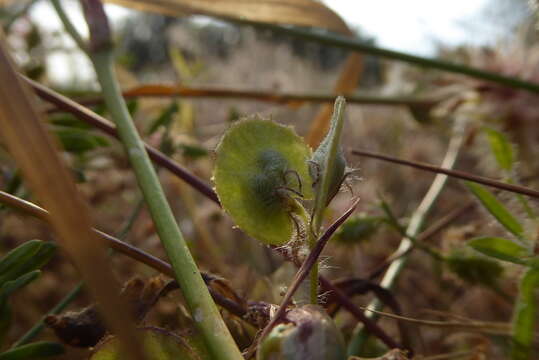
[98, 25]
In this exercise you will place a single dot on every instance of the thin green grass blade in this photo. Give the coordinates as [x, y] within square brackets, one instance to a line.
[25, 258]
[500, 248]
[524, 316]
[37, 350]
[497, 209]
[501, 148]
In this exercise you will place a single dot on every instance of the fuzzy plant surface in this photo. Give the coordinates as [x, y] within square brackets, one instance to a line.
[261, 172]
[307, 333]
[162, 344]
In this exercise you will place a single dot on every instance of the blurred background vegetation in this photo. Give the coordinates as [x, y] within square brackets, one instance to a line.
[198, 52]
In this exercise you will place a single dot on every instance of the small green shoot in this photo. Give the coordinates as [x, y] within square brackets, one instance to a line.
[501, 148]
[357, 229]
[499, 248]
[328, 165]
[18, 268]
[476, 270]
[497, 209]
[162, 344]
[524, 316]
[37, 350]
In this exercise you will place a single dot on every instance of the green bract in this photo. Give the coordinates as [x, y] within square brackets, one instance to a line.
[328, 165]
[261, 171]
[161, 344]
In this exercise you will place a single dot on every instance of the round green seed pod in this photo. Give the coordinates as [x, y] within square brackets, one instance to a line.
[260, 172]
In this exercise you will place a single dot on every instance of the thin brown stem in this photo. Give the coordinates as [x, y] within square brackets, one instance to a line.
[158, 90]
[453, 173]
[306, 268]
[122, 247]
[107, 127]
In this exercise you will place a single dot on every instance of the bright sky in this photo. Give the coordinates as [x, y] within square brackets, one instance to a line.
[414, 26]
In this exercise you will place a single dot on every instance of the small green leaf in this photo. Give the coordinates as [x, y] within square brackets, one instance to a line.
[160, 343]
[18, 255]
[474, 269]
[193, 151]
[500, 248]
[77, 140]
[524, 316]
[25, 258]
[69, 120]
[11, 286]
[261, 169]
[328, 165]
[164, 119]
[6, 290]
[391, 219]
[501, 148]
[357, 229]
[5, 320]
[496, 209]
[37, 350]
[132, 106]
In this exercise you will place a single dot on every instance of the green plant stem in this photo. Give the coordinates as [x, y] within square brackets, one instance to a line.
[68, 25]
[392, 221]
[327, 159]
[204, 311]
[313, 275]
[414, 227]
[11, 19]
[205, 314]
[356, 45]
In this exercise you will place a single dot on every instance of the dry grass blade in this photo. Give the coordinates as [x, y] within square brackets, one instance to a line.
[292, 12]
[453, 173]
[486, 327]
[34, 151]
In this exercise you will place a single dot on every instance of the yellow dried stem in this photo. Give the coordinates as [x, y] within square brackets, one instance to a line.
[35, 153]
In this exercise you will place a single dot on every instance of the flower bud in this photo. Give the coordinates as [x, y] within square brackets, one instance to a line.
[306, 333]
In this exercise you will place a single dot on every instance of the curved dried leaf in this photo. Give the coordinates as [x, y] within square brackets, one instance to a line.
[292, 12]
[35, 152]
[346, 84]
